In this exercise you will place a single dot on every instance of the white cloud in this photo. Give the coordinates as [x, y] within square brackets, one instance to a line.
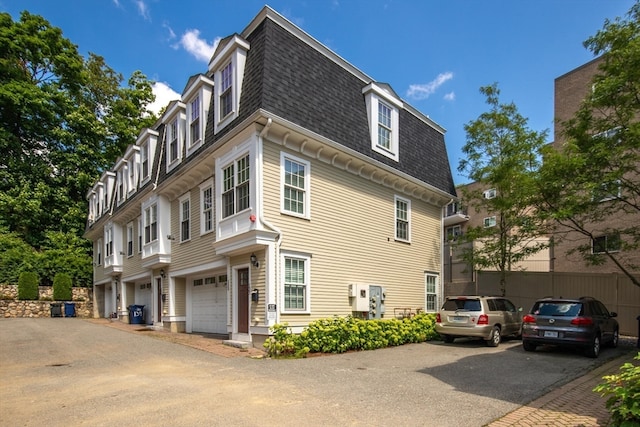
[164, 94]
[172, 34]
[423, 91]
[451, 96]
[199, 48]
[143, 9]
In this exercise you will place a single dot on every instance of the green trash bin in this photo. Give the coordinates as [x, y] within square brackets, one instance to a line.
[56, 309]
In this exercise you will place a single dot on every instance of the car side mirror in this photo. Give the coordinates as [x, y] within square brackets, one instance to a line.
[613, 314]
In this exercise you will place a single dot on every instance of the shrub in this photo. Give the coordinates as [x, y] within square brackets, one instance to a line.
[623, 390]
[28, 286]
[341, 334]
[62, 287]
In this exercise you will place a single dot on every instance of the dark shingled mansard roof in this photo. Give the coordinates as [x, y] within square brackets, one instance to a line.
[291, 79]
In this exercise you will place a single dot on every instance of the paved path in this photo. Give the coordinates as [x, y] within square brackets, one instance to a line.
[574, 404]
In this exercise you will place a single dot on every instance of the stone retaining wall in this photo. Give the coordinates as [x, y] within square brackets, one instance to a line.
[10, 306]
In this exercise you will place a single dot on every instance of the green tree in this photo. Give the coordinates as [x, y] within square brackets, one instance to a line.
[594, 176]
[63, 120]
[15, 257]
[503, 154]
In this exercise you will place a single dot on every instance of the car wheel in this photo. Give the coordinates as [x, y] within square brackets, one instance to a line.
[528, 346]
[494, 338]
[594, 349]
[447, 338]
[614, 339]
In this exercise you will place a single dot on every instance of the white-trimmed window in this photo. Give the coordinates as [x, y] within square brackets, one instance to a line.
[130, 239]
[453, 232]
[296, 292]
[295, 185]
[490, 221]
[606, 244]
[431, 293]
[145, 168]
[172, 137]
[99, 252]
[131, 179]
[151, 224]
[185, 218]
[490, 194]
[403, 219]
[194, 121]
[607, 191]
[108, 241]
[383, 110]
[235, 187]
[140, 227]
[206, 207]
[226, 91]
[121, 192]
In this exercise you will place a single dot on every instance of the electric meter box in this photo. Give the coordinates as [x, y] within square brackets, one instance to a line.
[360, 296]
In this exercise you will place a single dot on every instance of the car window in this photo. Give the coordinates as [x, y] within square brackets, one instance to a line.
[600, 309]
[493, 305]
[508, 305]
[570, 309]
[462, 305]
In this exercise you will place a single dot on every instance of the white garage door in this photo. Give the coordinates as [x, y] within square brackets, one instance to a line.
[209, 307]
[144, 296]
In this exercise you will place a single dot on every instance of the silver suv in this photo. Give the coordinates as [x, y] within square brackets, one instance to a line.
[489, 318]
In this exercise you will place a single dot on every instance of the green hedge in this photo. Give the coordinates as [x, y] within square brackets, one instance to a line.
[341, 334]
[62, 287]
[28, 286]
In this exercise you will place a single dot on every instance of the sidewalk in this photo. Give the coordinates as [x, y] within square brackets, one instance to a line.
[574, 404]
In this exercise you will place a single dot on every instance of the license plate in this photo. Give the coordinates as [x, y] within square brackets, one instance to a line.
[459, 319]
[550, 334]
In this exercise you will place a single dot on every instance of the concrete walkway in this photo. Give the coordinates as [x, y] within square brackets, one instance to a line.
[573, 404]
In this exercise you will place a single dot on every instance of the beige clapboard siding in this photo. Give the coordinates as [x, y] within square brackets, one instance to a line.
[199, 249]
[180, 297]
[350, 237]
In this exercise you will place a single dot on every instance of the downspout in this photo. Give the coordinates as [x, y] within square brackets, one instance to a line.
[266, 223]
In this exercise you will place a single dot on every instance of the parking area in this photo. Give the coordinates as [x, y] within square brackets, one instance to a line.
[69, 371]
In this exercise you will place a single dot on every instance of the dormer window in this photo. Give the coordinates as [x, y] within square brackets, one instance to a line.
[226, 95]
[194, 122]
[147, 143]
[227, 67]
[145, 161]
[172, 136]
[383, 111]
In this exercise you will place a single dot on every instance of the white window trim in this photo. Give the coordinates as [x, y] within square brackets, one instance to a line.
[307, 185]
[144, 224]
[395, 218]
[606, 243]
[99, 259]
[182, 200]
[307, 276]
[208, 184]
[130, 239]
[436, 292]
[490, 193]
[375, 94]
[177, 113]
[140, 241]
[234, 52]
[491, 219]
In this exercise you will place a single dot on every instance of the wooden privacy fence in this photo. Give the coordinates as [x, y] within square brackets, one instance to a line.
[616, 291]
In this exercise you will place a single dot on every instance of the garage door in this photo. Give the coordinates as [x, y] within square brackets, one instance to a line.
[144, 296]
[209, 307]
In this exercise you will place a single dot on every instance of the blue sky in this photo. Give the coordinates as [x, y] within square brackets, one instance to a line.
[435, 54]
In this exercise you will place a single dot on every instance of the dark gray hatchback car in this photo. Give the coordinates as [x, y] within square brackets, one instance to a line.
[583, 322]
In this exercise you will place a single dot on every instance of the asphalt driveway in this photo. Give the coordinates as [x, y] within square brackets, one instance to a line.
[68, 371]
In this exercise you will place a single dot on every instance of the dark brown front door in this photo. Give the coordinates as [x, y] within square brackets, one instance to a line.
[159, 300]
[243, 301]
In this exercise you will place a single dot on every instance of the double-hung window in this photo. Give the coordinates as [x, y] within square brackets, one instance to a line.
[99, 252]
[403, 219]
[295, 186]
[194, 122]
[151, 224]
[185, 218]
[431, 293]
[235, 182]
[226, 91]
[384, 126]
[490, 221]
[296, 284]
[173, 140]
[130, 239]
[140, 234]
[108, 242]
[144, 154]
[206, 201]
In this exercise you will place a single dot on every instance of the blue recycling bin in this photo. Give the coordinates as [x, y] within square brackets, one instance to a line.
[69, 309]
[136, 314]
